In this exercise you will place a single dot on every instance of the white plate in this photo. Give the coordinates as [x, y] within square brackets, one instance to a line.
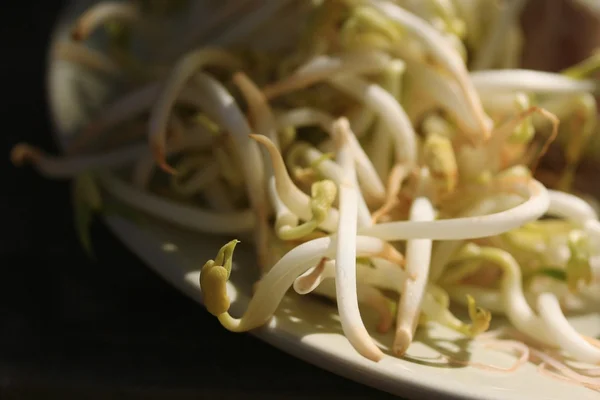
[303, 326]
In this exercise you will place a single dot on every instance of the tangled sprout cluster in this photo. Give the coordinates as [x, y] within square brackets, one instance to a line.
[388, 158]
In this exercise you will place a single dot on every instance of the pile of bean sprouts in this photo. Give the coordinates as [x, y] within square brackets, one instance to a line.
[387, 160]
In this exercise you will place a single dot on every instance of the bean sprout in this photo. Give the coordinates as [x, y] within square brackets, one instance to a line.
[365, 162]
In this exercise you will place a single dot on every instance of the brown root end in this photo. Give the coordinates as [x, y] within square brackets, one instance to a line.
[256, 137]
[385, 324]
[270, 91]
[22, 153]
[305, 282]
[380, 304]
[383, 210]
[555, 125]
[593, 341]
[390, 253]
[239, 79]
[77, 34]
[159, 154]
[402, 341]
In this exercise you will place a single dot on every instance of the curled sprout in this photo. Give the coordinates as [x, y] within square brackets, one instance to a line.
[213, 278]
[436, 308]
[103, 13]
[323, 194]
[480, 318]
[369, 130]
[514, 302]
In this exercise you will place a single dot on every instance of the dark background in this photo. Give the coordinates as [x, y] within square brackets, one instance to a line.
[75, 328]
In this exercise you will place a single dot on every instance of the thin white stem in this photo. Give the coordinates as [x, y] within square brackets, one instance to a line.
[190, 217]
[222, 108]
[575, 209]
[144, 168]
[324, 67]
[513, 47]
[382, 142]
[264, 123]
[389, 110]
[443, 53]
[491, 300]
[103, 12]
[468, 227]
[491, 49]
[367, 176]
[331, 170]
[70, 167]
[284, 218]
[345, 272]
[82, 55]
[311, 279]
[263, 117]
[301, 117]
[205, 173]
[380, 151]
[180, 75]
[294, 198]
[128, 107]
[563, 333]
[386, 275]
[445, 93]
[443, 251]
[418, 258]
[361, 119]
[366, 295]
[228, 14]
[565, 372]
[515, 304]
[251, 21]
[220, 105]
[523, 80]
[568, 206]
[470, 13]
[274, 285]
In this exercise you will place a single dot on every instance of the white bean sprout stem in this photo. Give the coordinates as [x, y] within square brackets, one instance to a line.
[418, 256]
[490, 51]
[345, 282]
[102, 12]
[563, 332]
[178, 214]
[467, 227]
[348, 142]
[507, 80]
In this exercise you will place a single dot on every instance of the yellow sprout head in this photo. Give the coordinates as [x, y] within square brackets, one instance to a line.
[439, 156]
[480, 318]
[323, 195]
[213, 280]
[525, 131]
[578, 266]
